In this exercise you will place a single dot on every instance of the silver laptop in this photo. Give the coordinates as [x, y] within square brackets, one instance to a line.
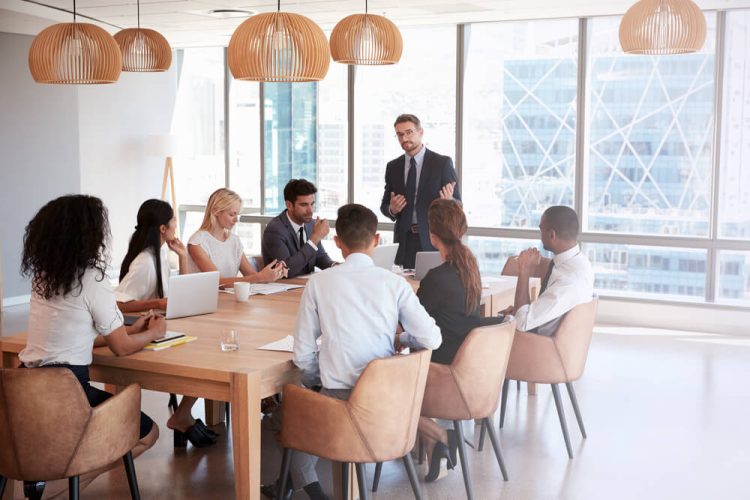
[426, 261]
[385, 255]
[193, 294]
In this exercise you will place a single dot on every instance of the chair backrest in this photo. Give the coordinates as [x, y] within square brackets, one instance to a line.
[386, 401]
[573, 337]
[511, 267]
[49, 431]
[478, 371]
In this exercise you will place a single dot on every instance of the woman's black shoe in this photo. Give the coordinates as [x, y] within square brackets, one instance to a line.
[452, 444]
[439, 452]
[195, 435]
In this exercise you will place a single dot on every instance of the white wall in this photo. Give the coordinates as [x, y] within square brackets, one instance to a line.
[61, 139]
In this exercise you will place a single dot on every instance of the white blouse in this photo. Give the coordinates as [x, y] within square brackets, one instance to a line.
[63, 329]
[140, 281]
[225, 255]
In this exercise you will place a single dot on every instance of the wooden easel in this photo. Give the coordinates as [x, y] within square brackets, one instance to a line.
[169, 172]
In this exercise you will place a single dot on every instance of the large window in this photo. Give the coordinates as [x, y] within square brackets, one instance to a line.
[423, 84]
[520, 119]
[198, 124]
[650, 137]
[654, 153]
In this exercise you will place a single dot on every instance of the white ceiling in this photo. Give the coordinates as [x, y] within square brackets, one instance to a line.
[186, 23]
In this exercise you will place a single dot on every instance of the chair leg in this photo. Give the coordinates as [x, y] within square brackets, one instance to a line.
[409, 465]
[3, 480]
[503, 401]
[376, 479]
[577, 410]
[518, 385]
[561, 414]
[286, 462]
[344, 480]
[464, 458]
[127, 460]
[362, 482]
[73, 488]
[482, 432]
[172, 401]
[496, 447]
[33, 490]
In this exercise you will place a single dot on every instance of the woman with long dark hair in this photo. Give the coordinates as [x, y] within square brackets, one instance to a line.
[144, 285]
[72, 303]
[450, 293]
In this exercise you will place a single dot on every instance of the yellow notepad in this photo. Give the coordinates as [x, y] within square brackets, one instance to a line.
[152, 346]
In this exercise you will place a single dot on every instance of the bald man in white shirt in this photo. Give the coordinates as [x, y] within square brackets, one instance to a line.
[568, 282]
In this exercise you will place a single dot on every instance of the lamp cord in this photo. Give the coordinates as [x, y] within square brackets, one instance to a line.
[278, 6]
[138, 3]
[365, 6]
[74, 11]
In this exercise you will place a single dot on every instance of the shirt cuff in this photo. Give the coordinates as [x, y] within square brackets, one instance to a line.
[309, 242]
[521, 316]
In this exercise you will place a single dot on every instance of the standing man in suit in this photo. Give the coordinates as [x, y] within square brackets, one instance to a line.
[412, 181]
[292, 236]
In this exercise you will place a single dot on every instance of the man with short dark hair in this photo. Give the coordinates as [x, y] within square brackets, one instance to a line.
[292, 236]
[355, 309]
[412, 181]
[569, 280]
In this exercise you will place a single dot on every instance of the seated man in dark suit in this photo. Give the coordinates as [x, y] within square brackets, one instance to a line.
[292, 237]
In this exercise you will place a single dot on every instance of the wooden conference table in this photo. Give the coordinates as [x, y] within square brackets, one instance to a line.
[242, 377]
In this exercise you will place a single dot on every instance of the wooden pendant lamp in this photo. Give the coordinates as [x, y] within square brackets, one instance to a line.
[278, 47]
[74, 53]
[660, 27]
[366, 39]
[143, 49]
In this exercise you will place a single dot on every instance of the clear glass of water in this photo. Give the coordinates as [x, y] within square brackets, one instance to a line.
[397, 269]
[230, 340]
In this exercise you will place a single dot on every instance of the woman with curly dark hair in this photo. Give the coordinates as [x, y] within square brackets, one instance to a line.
[72, 302]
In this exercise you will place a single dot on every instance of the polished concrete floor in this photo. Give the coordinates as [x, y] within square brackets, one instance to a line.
[666, 412]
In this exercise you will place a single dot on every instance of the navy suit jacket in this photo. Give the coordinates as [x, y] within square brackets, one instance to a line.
[281, 242]
[437, 171]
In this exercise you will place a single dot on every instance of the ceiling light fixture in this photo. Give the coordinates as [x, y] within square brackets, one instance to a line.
[661, 27]
[278, 47]
[366, 39]
[74, 53]
[143, 49]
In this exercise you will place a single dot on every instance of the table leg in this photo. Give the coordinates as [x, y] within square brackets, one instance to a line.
[353, 488]
[214, 411]
[245, 399]
[9, 360]
[531, 388]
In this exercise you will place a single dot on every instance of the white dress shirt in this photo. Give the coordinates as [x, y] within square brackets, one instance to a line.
[140, 281]
[355, 309]
[570, 283]
[63, 329]
[296, 227]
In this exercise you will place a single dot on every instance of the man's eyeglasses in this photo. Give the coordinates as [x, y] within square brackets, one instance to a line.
[407, 133]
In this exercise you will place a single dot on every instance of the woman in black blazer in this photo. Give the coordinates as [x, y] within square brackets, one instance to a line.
[451, 294]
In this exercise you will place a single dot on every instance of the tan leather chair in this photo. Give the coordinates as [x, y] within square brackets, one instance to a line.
[377, 423]
[511, 269]
[554, 360]
[49, 431]
[469, 388]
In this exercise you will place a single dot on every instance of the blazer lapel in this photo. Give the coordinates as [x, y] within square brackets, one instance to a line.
[294, 235]
[399, 184]
[426, 172]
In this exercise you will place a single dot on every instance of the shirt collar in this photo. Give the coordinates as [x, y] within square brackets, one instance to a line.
[562, 258]
[295, 226]
[359, 259]
[417, 157]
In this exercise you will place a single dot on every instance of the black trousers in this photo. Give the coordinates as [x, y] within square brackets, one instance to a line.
[407, 250]
[97, 396]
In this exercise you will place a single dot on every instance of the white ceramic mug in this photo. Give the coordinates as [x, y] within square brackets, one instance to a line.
[241, 291]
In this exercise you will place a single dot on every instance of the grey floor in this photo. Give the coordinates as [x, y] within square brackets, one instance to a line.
[666, 412]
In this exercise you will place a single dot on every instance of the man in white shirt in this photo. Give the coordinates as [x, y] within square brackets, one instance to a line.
[355, 309]
[568, 282]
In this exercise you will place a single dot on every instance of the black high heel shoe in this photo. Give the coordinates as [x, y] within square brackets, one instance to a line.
[208, 432]
[195, 435]
[439, 452]
[452, 444]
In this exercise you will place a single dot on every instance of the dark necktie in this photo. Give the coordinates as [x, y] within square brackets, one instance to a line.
[411, 189]
[301, 237]
[545, 280]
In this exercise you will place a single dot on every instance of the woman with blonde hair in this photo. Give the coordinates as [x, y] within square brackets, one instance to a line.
[214, 248]
[451, 294]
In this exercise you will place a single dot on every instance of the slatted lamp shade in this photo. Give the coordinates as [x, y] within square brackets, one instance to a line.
[144, 49]
[278, 47]
[366, 39]
[661, 27]
[74, 53]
